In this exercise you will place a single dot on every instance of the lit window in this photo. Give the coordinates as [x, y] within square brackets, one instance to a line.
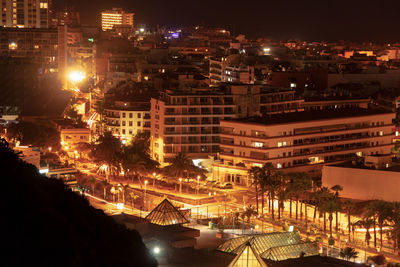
[258, 144]
[12, 46]
[278, 166]
[43, 5]
[279, 144]
[257, 165]
[397, 133]
[284, 144]
[293, 85]
[381, 133]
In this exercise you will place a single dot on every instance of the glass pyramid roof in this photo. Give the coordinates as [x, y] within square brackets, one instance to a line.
[291, 251]
[275, 246]
[166, 214]
[247, 257]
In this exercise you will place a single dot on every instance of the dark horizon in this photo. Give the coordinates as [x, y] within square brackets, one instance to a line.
[360, 21]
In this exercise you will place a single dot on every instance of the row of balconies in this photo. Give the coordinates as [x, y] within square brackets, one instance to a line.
[230, 152]
[230, 142]
[231, 131]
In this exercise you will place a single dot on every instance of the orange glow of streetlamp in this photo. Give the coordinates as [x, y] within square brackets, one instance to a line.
[77, 76]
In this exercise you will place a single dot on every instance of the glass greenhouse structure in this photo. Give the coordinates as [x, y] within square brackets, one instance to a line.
[275, 246]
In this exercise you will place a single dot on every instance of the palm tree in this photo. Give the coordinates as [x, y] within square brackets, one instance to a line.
[108, 151]
[300, 184]
[366, 223]
[92, 180]
[336, 189]
[395, 224]
[182, 166]
[348, 207]
[321, 197]
[132, 196]
[249, 212]
[105, 185]
[348, 253]
[381, 212]
[330, 206]
[255, 175]
[274, 182]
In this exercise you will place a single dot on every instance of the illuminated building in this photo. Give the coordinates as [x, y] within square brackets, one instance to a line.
[116, 16]
[189, 121]
[68, 17]
[25, 13]
[74, 136]
[301, 141]
[40, 45]
[127, 111]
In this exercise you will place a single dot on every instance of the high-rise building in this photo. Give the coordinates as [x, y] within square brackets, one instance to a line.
[25, 13]
[68, 17]
[114, 17]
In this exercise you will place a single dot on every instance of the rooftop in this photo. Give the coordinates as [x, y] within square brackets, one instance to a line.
[305, 116]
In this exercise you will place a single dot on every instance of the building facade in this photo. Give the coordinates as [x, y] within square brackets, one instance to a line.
[73, 136]
[188, 122]
[303, 141]
[116, 17]
[25, 13]
[126, 119]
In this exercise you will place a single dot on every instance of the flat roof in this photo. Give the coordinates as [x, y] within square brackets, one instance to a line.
[393, 168]
[304, 116]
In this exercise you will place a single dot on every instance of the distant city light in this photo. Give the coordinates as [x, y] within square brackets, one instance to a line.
[291, 228]
[120, 206]
[141, 29]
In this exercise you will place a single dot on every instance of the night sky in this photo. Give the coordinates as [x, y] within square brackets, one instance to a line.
[312, 20]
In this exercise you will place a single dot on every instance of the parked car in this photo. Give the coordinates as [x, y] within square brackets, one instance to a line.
[225, 186]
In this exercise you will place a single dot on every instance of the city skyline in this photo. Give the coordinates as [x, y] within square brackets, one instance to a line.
[338, 20]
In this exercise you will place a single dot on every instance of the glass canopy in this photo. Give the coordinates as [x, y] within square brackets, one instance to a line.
[166, 214]
[247, 257]
[275, 246]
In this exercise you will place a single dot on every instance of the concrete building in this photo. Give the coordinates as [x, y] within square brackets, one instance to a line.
[127, 119]
[301, 141]
[114, 17]
[334, 103]
[30, 155]
[127, 110]
[376, 179]
[74, 136]
[188, 121]
[25, 13]
[230, 69]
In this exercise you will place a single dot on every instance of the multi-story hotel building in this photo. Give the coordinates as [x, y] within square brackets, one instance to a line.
[188, 121]
[25, 13]
[127, 111]
[116, 17]
[126, 119]
[301, 141]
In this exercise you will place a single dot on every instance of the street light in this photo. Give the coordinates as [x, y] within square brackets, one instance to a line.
[180, 185]
[154, 179]
[75, 157]
[145, 188]
[76, 76]
[198, 184]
